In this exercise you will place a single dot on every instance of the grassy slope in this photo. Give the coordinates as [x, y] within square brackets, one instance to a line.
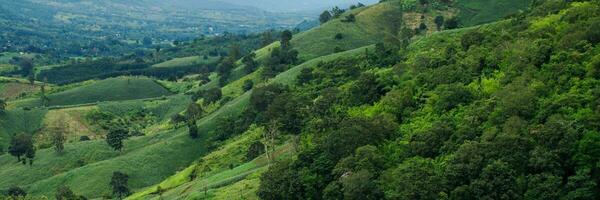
[241, 172]
[147, 159]
[13, 122]
[320, 41]
[112, 89]
[185, 61]
[475, 12]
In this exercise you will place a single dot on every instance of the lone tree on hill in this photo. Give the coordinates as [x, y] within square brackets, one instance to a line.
[22, 145]
[325, 17]
[119, 184]
[58, 135]
[286, 37]
[115, 138]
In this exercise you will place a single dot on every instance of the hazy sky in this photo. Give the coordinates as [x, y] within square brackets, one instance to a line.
[296, 5]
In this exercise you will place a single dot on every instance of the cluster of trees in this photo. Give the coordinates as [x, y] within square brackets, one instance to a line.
[22, 147]
[502, 111]
[336, 12]
[281, 57]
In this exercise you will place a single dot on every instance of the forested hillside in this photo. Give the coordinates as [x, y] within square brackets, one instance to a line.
[403, 99]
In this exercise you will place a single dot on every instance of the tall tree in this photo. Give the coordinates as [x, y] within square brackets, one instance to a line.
[115, 138]
[193, 112]
[26, 65]
[286, 37]
[119, 184]
[58, 135]
[250, 63]
[193, 129]
[22, 145]
[325, 17]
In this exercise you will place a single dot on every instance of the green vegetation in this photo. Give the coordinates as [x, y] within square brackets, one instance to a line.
[405, 99]
[473, 12]
[113, 89]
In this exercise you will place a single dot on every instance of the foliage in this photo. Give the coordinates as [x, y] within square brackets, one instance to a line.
[119, 184]
[115, 138]
[22, 146]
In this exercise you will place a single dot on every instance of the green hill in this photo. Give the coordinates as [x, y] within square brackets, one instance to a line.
[441, 118]
[112, 89]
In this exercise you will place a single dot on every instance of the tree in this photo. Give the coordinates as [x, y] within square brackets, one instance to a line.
[234, 51]
[305, 76]
[193, 112]
[325, 17]
[471, 38]
[286, 37]
[497, 181]
[271, 134]
[280, 182]
[360, 185]
[224, 69]
[22, 145]
[248, 85]
[212, 95]
[250, 63]
[119, 184]
[65, 193]
[267, 38]
[452, 23]
[256, 149]
[415, 178]
[439, 22]
[16, 192]
[26, 65]
[115, 138]
[193, 130]
[2, 105]
[422, 28]
[58, 135]
[337, 12]
[349, 18]
[261, 97]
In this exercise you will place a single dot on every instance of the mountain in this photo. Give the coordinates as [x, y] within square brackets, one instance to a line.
[403, 99]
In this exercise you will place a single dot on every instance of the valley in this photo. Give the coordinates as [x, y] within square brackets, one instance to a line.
[397, 99]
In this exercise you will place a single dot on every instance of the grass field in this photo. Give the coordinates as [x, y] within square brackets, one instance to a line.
[17, 121]
[473, 12]
[112, 89]
[74, 123]
[369, 28]
[185, 61]
[147, 159]
[13, 90]
[227, 180]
